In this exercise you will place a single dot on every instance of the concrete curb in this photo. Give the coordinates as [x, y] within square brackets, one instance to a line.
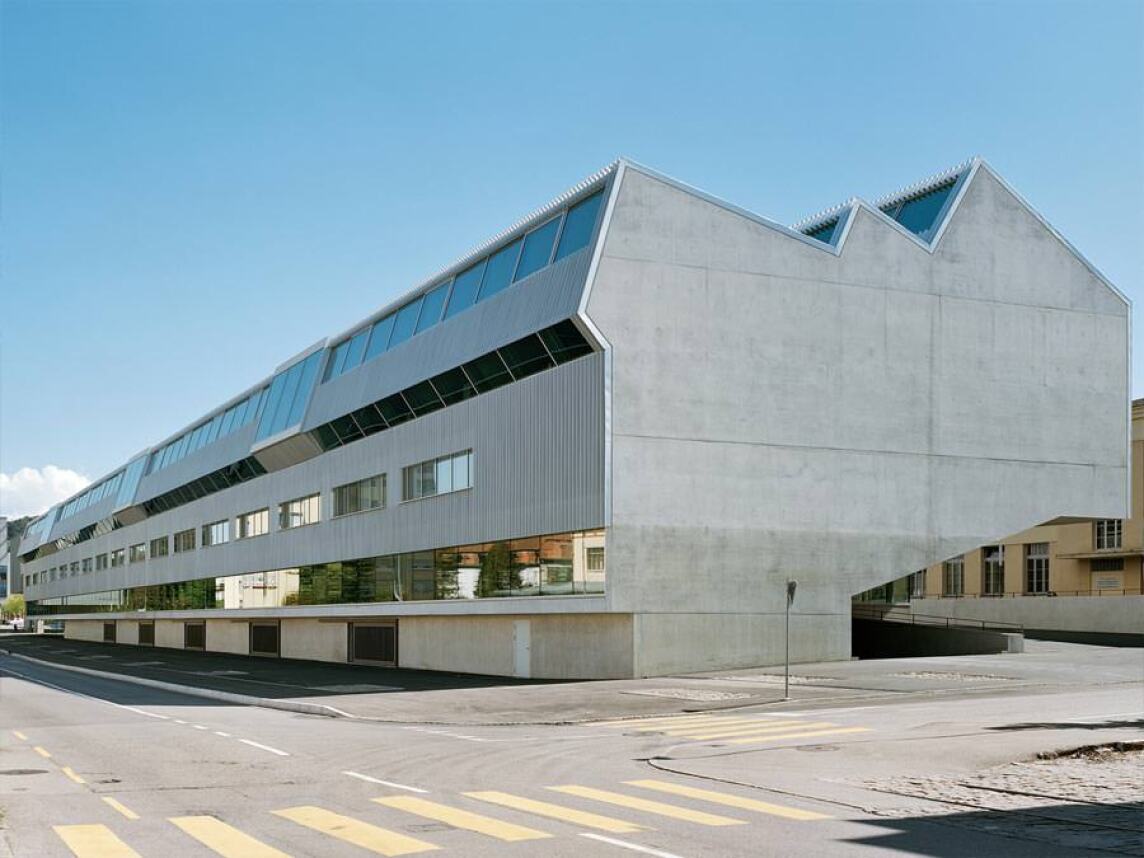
[208, 693]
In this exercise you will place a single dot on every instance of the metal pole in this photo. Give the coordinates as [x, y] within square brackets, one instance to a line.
[786, 659]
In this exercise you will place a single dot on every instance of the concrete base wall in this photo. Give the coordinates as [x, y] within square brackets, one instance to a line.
[168, 633]
[228, 636]
[127, 632]
[677, 643]
[314, 639]
[85, 630]
[1108, 614]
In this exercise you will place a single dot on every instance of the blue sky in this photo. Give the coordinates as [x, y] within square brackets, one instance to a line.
[194, 191]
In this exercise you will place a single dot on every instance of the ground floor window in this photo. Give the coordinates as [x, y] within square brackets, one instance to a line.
[561, 564]
[1037, 567]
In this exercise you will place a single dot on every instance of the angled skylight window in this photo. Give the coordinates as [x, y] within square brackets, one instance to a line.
[826, 232]
[289, 392]
[919, 214]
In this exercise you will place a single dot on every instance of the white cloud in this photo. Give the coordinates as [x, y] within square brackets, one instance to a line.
[30, 491]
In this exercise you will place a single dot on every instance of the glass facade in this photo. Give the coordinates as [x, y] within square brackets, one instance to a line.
[219, 426]
[919, 214]
[826, 232]
[494, 273]
[287, 396]
[564, 564]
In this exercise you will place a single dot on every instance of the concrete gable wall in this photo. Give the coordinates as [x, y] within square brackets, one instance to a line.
[777, 410]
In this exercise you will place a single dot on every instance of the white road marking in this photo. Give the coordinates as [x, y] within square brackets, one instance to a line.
[374, 780]
[200, 727]
[180, 721]
[55, 687]
[144, 712]
[221, 733]
[624, 844]
[254, 744]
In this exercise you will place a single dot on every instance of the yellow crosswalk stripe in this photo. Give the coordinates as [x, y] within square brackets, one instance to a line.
[93, 841]
[371, 837]
[761, 729]
[42, 752]
[657, 807]
[120, 807]
[462, 818]
[729, 800]
[720, 727]
[556, 811]
[225, 839]
[709, 722]
[771, 737]
[667, 719]
[19, 735]
[72, 776]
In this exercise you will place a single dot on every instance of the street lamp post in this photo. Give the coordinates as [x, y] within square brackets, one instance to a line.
[791, 586]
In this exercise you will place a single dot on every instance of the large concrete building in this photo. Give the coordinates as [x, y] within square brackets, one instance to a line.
[600, 444]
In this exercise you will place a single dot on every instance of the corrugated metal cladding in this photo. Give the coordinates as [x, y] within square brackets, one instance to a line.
[538, 449]
[549, 296]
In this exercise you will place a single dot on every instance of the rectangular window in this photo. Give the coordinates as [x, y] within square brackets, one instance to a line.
[74, 568]
[1108, 564]
[594, 557]
[1037, 567]
[993, 570]
[137, 553]
[117, 557]
[87, 564]
[185, 541]
[299, 512]
[361, 495]
[100, 562]
[437, 476]
[1107, 534]
[216, 533]
[252, 524]
[953, 577]
[160, 547]
[918, 584]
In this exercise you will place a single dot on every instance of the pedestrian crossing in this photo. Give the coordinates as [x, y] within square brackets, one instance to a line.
[380, 827]
[733, 730]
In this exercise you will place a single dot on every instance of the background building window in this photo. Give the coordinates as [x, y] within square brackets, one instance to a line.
[918, 584]
[953, 577]
[255, 523]
[299, 512]
[87, 564]
[1037, 567]
[160, 547]
[185, 540]
[100, 562]
[137, 553]
[437, 476]
[216, 533]
[992, 570]
[1107, 533]
[594, 558]
[117, 557]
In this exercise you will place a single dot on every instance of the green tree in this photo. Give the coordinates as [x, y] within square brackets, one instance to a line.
[13, 606]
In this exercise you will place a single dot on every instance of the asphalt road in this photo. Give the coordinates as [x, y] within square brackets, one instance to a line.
[95, 767]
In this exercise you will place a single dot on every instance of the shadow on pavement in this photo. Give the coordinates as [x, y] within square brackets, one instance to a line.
[1073, 829]
[1071, 725]
[275, 678]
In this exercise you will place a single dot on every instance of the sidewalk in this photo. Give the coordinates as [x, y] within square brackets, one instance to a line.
[425, 697]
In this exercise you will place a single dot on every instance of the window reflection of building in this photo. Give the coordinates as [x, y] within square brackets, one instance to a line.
[556, 565]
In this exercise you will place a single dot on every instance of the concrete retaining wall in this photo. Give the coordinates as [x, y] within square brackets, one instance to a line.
[882, 639]
[1104, 614]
